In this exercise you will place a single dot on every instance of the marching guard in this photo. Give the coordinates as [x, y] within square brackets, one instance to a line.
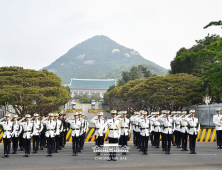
[217, 120]
[42, 134]
[184, 130]
[59, 128]
[9, 131]
[114, 132]
[177, 132]
[65, 129]
[37, 129]
[146, 129]
[156, 131]
[50, 133]
[99, 123]
[75, 125]
[124, 132]
[18, 130]
[27, 134]
[194, 128]
[168, 128]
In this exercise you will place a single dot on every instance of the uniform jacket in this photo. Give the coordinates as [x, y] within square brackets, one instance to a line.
[156, 125]
[37, 127]
[184, 126]
[18, 129]
[75, 125]
[50, 128]
[168, 124]
[8, 129]
[27, 129]
[194, 126]
[125, 126]
[114, 128]
[177, 123]
[59, 127]
[146, 127]
[216, 121]
[99, 123]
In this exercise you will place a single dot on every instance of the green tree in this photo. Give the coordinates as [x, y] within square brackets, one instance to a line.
[96, 97]
[30, 91]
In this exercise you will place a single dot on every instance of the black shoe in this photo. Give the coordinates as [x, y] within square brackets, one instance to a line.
[191, 152]
[169, 152]
[60, 148]
[27, 155]
[114, 159]
[158, 147]
[110, 159]
[166, 152]
[146, 153]
[194, 152]
[24, 155]
[34, 152]
[56, 151]
[183, 150]
[4, 156]
[7, 156]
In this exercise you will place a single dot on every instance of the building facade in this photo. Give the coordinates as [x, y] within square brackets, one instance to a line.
[90, 86]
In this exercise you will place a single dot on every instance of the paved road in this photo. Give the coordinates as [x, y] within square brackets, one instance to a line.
[207, 157]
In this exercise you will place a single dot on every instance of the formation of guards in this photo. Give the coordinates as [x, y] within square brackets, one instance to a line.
[51, 131]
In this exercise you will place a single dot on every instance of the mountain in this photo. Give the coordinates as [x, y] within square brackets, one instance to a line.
[99, 57]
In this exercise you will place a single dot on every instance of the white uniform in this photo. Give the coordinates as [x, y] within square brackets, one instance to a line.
[18, 129]
[27, 129]
[50, 128]
[194, 125]
[114, 129]
[37, 127]
[8, 128]
[146, 127]
[216, 121]
[59, 127]
[125, 126]
[99, 123]
[75, 125]
[156, 126]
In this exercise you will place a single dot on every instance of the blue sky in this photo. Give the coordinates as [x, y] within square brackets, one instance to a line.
[35, 33]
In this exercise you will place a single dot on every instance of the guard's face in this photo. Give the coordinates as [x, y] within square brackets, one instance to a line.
[167, 115]
[60, 117]
[178, 115]
[36, 118]
[7, 118]
[157, 115]
[51, 118]
[113, 115]
[76, 117]
[99, 117]
[124, 115]
[145, 116]
[27, 119]
[64, 117]
[15, 118]
[56, 117]
[42, 117]
[80, 116]
[192, 114]
[218, 112]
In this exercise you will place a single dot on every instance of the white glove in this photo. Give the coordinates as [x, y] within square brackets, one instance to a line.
[31, 135]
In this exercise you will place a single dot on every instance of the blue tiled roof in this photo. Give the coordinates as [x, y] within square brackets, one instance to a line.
[91, 83]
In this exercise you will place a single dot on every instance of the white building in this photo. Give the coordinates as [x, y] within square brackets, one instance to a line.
[90, 86]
